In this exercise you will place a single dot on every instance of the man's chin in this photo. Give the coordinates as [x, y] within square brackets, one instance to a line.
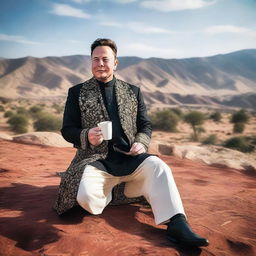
[103, 78]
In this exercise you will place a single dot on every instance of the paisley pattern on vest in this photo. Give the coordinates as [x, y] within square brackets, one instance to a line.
[94, 111]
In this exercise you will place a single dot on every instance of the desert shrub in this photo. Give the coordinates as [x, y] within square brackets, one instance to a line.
[177, 111]
[8, 113]
[5, 100]
[211, 139]
[18, 123]
[238, 127]
[216, 116]
[239, 143]
[240, 117]
[22, 111]
[58, 108]
[36, 112]
[47, 122]
[195, 119]
[164, 120]
[2, 108]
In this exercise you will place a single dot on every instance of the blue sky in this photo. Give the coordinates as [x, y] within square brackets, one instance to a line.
[144, 28]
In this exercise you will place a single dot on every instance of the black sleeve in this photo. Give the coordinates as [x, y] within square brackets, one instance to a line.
[143, 121]
[71, 127]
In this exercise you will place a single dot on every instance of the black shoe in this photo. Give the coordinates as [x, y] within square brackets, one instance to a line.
[179, 232]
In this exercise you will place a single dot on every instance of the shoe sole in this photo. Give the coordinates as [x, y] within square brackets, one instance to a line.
[182, 243]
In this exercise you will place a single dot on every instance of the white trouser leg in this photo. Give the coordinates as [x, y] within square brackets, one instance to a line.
[154, 180]
[95, 189]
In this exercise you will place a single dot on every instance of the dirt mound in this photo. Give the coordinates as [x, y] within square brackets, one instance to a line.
[219, 202]
[209, 154]
[42, 138]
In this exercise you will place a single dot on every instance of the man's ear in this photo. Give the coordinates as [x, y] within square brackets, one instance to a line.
[116, 63]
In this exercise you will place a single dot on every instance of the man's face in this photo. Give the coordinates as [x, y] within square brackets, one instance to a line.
[103, 63]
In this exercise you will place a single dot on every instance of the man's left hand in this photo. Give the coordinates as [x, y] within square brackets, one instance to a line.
[136, 149]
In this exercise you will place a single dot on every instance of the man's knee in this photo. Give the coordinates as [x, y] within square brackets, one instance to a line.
[155, 164]
[87, 200]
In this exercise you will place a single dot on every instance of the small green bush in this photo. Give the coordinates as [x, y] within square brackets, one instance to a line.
[4, 100]
[238, 127]
[177, 111]
[23, 111]
[164, 120]
[47, 122]
[210, 140]
[36, 112]
[8, 113]
[239, 143]
[18, 123]
[216, 117]
[58, 108]
[2, 108]
[240, 117]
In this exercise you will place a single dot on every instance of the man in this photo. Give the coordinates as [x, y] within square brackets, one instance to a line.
[98, 166]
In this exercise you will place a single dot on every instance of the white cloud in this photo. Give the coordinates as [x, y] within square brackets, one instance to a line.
[213, 30]
[145, 51]
[137, 27]
[67, 10]
[16, 39]
[111, 24]
[140, 27]
[175, 5]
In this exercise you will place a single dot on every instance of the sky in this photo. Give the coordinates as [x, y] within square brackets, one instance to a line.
[144, 28]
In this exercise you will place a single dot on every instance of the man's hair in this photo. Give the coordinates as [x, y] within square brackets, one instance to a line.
[104, 42]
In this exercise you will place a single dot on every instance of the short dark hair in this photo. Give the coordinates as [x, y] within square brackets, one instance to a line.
[104, 42]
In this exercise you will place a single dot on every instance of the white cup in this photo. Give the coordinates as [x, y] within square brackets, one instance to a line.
[106, 128]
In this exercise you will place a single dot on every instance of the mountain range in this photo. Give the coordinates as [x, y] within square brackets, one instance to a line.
[217, 81]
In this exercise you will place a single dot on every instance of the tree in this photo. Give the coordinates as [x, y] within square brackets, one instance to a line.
[195, 119]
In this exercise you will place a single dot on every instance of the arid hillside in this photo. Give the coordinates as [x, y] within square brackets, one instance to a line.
[221, 80]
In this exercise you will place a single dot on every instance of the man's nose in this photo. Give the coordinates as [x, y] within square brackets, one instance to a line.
[101, 63]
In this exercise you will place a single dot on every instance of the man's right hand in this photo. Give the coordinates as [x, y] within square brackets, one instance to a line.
[95, 136]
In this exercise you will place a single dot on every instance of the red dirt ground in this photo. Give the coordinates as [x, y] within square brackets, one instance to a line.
[219, 203]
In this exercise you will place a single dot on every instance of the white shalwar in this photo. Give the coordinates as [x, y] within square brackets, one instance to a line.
[152, 179]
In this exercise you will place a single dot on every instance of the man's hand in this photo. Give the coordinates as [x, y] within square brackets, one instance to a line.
[136, 149]
[95, 136]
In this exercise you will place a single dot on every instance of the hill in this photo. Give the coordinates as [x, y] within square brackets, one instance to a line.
[221, 80]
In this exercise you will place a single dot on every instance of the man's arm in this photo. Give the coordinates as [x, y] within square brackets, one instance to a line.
[144, 127]
[71, 127]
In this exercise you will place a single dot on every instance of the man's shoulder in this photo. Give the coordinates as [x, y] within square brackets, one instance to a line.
[133, 87]
[76, 88]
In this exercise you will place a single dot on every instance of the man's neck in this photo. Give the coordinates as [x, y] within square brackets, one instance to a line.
[109, 83]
